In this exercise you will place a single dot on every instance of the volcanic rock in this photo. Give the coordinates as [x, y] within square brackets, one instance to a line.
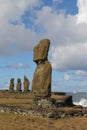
[18, 87]
[41, 50]
[41, 86]
[26, 84]
[11, 86]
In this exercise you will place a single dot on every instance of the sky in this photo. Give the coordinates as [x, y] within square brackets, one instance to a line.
[23, 23]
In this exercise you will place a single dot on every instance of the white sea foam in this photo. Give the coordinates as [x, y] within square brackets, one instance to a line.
[82, 102]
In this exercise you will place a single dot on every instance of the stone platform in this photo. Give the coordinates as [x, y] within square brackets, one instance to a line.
[57, 99]
[62, 99]
[57, 106]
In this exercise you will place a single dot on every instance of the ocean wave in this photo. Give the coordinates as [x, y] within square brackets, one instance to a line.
[82, 102]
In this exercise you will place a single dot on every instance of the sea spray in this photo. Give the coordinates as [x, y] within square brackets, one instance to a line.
[79, 98]
[82, 102]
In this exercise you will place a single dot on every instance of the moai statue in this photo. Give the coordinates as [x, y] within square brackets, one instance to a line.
[18, 87]
[41, 85]
[11, 87]
[26, 84]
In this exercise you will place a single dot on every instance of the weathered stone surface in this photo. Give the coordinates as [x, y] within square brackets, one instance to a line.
[42, 80]
[45, 103]
[11, 87]
[41, 50]
[41, 112]
[18, 87]
[26, 84]
[41, 86]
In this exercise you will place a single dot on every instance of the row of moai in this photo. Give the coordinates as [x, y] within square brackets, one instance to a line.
[41, 84]
[26, 84]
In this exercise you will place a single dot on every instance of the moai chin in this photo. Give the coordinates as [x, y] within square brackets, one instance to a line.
[11, 87]
[41, 85]
[18, 87]
[26, 84]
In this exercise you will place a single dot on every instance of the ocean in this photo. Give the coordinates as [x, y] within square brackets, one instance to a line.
[79, 98]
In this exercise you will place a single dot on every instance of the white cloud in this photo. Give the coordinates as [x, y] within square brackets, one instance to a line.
[82, 11]
[61, 29]
[81, 73]
[70, 57]
[14, 9]
[60, 1]
[11, 11]
[66, 77]
[68, 38]
[20, 66]
[15, 39]
[15, 66]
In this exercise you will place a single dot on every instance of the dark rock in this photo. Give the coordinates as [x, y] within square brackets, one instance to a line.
[59, 93]
[68, 101]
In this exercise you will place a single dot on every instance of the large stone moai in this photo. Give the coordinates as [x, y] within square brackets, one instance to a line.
[18, 87]
[26, 84]
[41, 85]
[11, 86]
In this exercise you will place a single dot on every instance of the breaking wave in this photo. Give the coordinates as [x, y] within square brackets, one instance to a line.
[82, 102]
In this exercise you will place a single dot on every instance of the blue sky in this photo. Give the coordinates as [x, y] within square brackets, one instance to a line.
[25, 22]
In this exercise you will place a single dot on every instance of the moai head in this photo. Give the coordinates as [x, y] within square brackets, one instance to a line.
[41, 50]
[12, 80]
[25, 78]
[18, 80]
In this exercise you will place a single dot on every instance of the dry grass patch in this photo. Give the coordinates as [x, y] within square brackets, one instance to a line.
[9, 121]
[19, 122]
